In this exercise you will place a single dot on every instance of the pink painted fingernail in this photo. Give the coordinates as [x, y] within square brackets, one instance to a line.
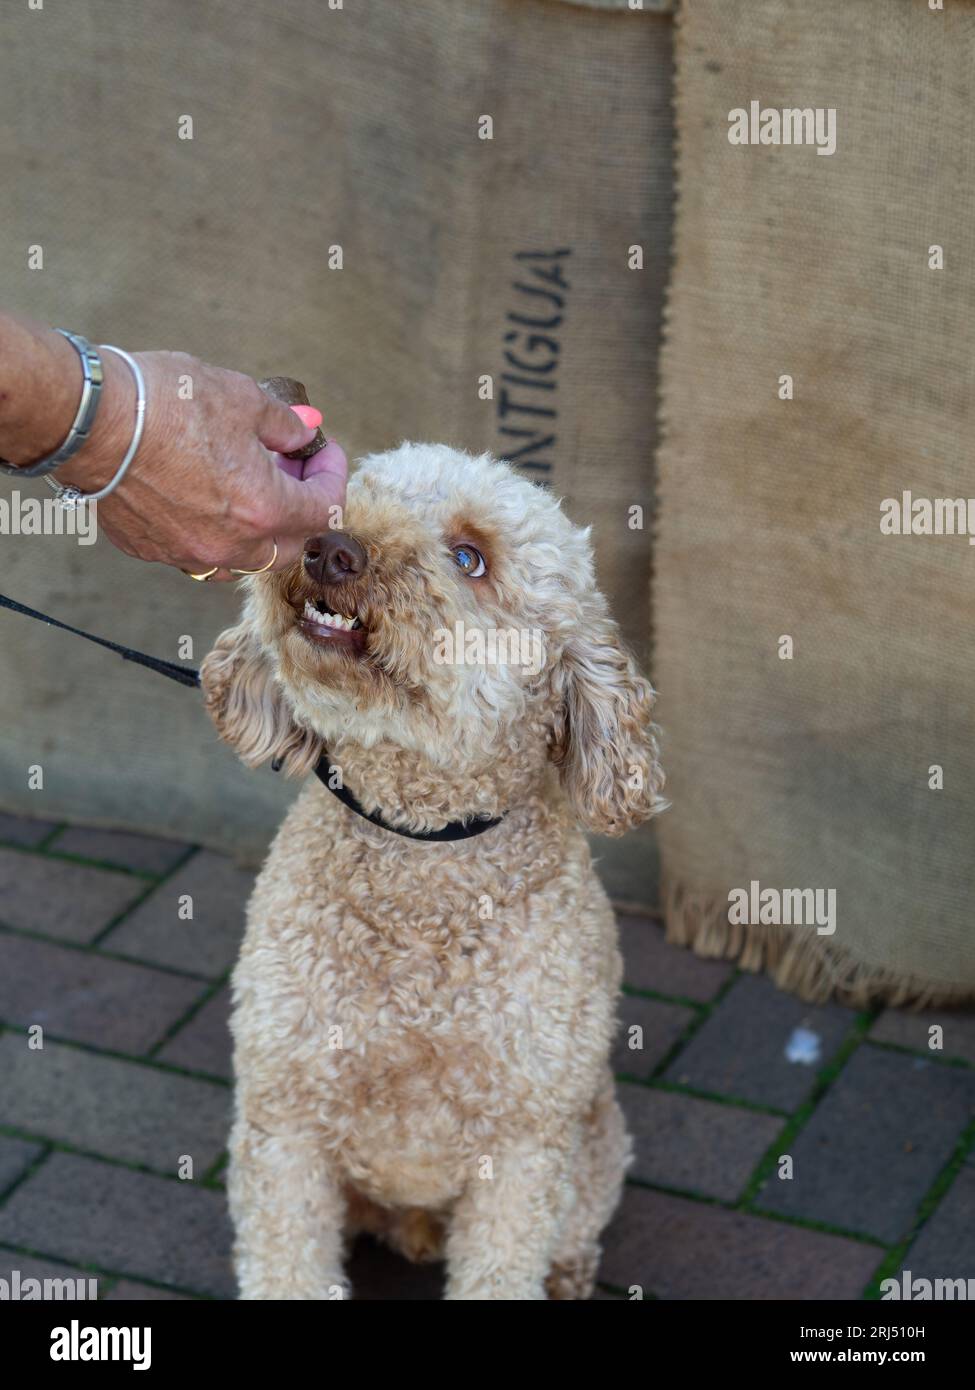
[308, 415]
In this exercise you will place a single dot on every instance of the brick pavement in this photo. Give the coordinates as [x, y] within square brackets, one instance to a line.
[131, 1089]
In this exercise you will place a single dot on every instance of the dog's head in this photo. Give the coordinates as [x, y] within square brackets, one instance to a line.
[453, 613]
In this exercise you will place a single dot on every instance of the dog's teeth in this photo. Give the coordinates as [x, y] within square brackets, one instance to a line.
[323, 618]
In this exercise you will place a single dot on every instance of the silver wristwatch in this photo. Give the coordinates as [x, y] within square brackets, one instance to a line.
[91, 390]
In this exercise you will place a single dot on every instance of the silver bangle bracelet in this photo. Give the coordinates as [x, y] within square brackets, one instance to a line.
[71, 496]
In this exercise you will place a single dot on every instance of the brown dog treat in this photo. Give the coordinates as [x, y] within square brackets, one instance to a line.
[290, 392]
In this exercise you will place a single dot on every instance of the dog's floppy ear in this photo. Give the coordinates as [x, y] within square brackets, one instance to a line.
[248, 708]
[605, 744]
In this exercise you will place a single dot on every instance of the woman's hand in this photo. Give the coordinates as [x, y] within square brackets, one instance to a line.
[202, 489]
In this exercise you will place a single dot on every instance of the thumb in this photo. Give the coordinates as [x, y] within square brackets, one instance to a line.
[280, 429]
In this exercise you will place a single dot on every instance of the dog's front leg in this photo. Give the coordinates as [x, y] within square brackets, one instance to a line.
[288, 1213]
[505, 1224]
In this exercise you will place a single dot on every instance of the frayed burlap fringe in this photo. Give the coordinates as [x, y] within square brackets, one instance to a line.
[813, 770]
[812, 966]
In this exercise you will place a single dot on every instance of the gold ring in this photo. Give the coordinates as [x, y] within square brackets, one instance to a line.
[208, 574]
[263, 568]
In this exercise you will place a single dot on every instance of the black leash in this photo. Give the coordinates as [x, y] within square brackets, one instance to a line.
[324, 771]
[186, 675]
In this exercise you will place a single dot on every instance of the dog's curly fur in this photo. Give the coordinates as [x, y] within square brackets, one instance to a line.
[422, 1030]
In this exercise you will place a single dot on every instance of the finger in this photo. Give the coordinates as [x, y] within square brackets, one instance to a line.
[290, 549]
[256, 559]
[331, 459]
[284, 551]
[308, 508]
[280, 429]
[292, 467]
[196, 570]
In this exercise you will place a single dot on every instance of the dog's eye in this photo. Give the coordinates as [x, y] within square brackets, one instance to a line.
[471, 561]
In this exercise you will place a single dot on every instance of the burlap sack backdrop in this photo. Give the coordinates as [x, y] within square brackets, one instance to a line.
[312, 129]
[816, 772]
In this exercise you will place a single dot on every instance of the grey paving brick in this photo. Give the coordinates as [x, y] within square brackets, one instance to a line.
[945, 1249]
[16, 1156]
[912, 1030]
[660, 1024]
[698, 1145]
[71, 901]
[740, 1051]
[144, 853]
[674, 1248]
[88, 997]
[128, 1291]
[118, 1108]
[16, 1269]
[204, 1044]
[168, 1232]
[875, 1143]
[208, 943]
[19, 830]
[650, 962]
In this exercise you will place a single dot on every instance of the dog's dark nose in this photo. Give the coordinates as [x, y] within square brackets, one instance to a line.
[334, 557]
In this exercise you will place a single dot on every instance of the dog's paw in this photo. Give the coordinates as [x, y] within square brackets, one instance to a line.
[418, 1235]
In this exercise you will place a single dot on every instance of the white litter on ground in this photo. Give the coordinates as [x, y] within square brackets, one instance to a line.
[804, 1046]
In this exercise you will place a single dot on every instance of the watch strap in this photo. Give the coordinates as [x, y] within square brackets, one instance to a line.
[77, 436]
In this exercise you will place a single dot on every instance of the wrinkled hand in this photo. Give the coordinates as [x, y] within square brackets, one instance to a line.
[203, 490]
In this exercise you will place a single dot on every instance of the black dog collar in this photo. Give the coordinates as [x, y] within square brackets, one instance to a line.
[188, 675]
[455, 830]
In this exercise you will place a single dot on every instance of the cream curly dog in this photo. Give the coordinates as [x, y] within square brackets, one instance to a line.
[422, 1028]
